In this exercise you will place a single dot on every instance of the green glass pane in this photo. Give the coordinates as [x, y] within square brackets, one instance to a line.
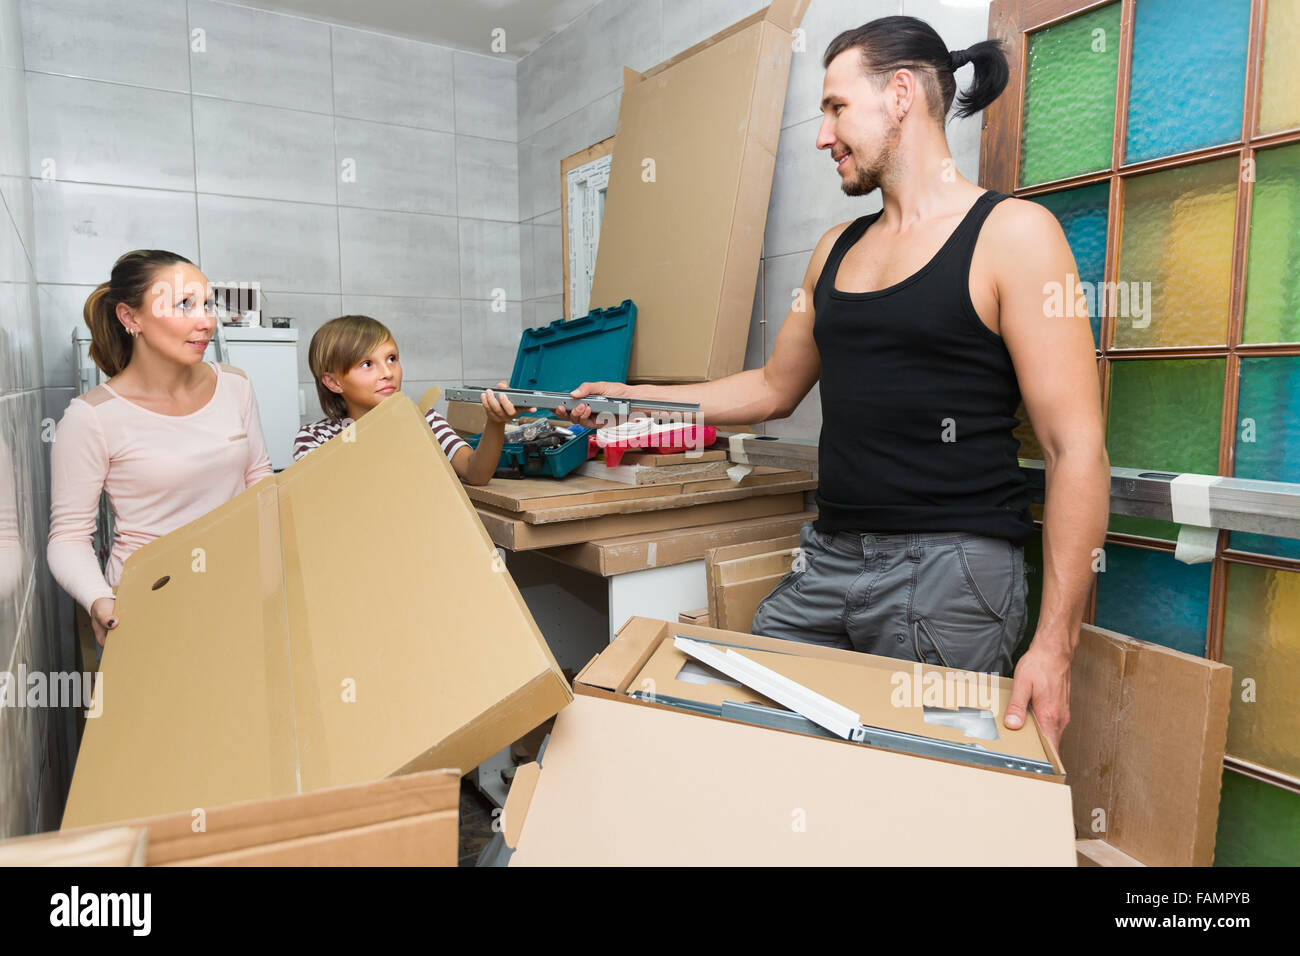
[1164, 416]
[1259, 824]
[1069, 121]
[1261, 642]
[1175, 266]
[1273, 273]
[1268, 419]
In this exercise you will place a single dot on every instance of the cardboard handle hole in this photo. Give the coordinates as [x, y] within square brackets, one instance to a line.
[161, 581]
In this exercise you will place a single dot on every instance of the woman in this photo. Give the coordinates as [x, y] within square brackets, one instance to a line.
[169, 437]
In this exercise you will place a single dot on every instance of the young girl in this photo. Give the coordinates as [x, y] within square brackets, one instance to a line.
[168, 436]
[355, 364]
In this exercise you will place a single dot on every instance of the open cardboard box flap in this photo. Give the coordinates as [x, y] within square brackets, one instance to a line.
[343, 621]
[707, 790]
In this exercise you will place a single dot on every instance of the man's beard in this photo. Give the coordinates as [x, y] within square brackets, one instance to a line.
[866, 180]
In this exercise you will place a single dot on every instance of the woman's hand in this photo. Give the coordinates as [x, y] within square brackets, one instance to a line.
[102, 619]
[499, 408]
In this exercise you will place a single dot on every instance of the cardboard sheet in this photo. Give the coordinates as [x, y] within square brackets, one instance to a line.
[345, 620]
[1144, 747]
[688, 194]
[407, 820]
[513, 532]
[711, 792]
[657, 549]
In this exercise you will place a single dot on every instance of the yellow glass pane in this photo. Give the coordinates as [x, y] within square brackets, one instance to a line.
[1279, 91]
[1261, 640]
[1175, 268]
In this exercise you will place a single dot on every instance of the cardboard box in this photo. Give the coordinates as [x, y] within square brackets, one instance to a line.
[732, 601]
[682, 239]
[341, 622]
[703, 790]
[1144, 747]
[657, 549]
[402, 821]
[515, 533]
[698, 616]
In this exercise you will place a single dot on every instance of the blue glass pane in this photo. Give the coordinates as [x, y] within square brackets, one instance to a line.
[1264, 544]
[1187, 77]
[1268, 437]
[1151, 596]
[1084, 213]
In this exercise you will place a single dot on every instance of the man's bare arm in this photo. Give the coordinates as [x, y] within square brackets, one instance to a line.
[755, 395]
[1055, 362]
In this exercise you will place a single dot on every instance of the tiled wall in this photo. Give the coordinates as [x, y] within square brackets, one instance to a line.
[346, 171]
[35, 745]
[568, 100]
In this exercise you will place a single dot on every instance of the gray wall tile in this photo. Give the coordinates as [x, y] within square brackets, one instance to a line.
[755, 356]
[486, 102]
[396, 167]
[489, 259]
[399, 253]
[108, 133]
[687, 22]
[392, 80]
[541, 153]
[144, 42]
[806, 196]
[585, 61]
[290, 247]
[489, 340]
[309, 312]
[61, 314]
[82, 229]
[258, 57]
[427, 332]
[264, 152]
[487, 179]
[548, 255]
[781, 276]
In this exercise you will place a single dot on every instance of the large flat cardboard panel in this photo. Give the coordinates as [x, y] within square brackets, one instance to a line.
[704, 791]
[657, 549]
[408, 820]
[340, 622]
[1144, 747]
[114, 846]
[518, 535]
[684, 242]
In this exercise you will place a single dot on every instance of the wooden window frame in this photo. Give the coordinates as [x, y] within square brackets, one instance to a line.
[1012, 21]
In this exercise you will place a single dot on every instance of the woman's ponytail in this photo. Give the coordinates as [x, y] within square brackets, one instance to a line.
[132, 276]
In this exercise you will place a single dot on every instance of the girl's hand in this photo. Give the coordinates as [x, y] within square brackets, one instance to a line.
[102, 619]
[499, 408]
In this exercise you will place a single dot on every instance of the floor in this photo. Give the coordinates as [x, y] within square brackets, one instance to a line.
[475, 823]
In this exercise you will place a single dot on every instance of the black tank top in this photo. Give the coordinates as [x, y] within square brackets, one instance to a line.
[919, 399]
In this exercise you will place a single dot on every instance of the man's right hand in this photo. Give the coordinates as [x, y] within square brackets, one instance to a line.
[102, 619]
[581, 414]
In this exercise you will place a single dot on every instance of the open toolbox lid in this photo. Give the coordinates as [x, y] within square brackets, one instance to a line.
[561, 356]
[345, 620]
[708, 790]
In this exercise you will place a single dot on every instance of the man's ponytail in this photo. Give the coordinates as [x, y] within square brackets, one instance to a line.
[991, 74]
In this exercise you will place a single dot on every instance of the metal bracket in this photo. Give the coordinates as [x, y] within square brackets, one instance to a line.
[599, 404]
[812, 713]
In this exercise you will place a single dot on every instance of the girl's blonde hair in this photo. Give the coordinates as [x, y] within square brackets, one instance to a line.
[338, 345]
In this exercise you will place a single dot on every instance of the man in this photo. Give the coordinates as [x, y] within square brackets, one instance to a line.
[926, 323]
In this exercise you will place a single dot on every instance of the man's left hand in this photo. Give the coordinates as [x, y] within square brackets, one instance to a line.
[1042, 680]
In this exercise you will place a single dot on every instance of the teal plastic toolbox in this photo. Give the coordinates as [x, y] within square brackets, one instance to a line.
[558, 358]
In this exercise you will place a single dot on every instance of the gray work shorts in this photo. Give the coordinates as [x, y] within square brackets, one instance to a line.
[946, 597]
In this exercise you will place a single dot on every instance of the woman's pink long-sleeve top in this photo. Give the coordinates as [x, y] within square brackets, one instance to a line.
[160, 472]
